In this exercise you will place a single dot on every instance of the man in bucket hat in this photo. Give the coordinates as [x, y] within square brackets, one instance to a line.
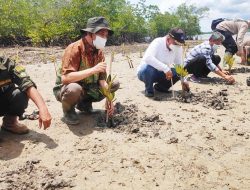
[83, 71]
[201, 60]
[16, 88]
[156, 63]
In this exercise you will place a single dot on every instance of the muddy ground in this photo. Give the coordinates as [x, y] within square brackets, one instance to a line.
[157, 143]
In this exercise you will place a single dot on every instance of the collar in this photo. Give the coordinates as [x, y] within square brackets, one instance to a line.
[88, 48]
[167, 44]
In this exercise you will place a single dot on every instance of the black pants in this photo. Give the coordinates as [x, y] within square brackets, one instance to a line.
[13, 102]
[229, 43]
[198, 66]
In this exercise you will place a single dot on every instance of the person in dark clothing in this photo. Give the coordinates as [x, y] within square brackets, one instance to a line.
[228, 28]
[16, 88]
[201, 60]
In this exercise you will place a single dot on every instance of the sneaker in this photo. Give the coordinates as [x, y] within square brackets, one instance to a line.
[194, 79]
[11, 124]
[160, 88]
[70, 117]
[149, 94]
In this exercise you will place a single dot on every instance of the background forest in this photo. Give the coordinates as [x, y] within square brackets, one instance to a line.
[57, 22]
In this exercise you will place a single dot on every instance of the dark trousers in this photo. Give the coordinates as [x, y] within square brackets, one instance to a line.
[229, 43]
[149, 75]
[198, 66]
[13, 102]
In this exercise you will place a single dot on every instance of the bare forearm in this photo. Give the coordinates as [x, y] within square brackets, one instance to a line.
[77, 76]
[220, 73]
[44, 115]
[219, 67]
[35, 96]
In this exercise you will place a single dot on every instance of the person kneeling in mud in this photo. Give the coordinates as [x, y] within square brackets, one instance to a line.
[16, 88]
[83, 72]
[156, 63]
[201, 60]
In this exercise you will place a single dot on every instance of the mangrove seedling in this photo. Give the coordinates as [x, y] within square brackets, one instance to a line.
[17, 57]
[123, 49]
[112, 57]
[140, 53]
[130, 63]
[53, 60]
[108, 93]
[182, 73]
[43, 57]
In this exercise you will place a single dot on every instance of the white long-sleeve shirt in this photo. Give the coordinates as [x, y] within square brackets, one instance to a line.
[160, 57]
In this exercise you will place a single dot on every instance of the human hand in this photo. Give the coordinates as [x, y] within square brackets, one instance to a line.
[185, 86]
[100, 67]
[225, 72]
[169, 75]
[109, 106]
[229, 79]
[44, 118]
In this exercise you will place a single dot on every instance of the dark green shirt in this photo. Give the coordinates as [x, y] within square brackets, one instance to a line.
[10, 73]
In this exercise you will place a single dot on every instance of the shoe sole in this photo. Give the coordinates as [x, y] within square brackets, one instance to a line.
[9, 130]
[69, 122]
[159, 89]
[195, 81]
[149, 95]
[93, 112]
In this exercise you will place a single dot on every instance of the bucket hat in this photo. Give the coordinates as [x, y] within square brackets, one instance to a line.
[95, 24]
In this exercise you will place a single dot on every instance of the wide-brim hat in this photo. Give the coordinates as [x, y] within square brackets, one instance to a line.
[178, 35]
[95, 24]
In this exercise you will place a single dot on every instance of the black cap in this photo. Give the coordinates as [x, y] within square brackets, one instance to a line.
[95, 24]
[178, 35]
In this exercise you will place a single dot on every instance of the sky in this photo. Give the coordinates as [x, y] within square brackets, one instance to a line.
[217, 9]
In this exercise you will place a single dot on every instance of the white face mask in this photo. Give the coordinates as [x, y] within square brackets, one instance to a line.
[215, 47]
[99, 42]
[174, 48]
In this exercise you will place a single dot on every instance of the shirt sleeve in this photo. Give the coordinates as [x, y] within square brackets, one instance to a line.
[207, 54]
[71, 59]
[240, 37]
[150, 57]
[19, 76]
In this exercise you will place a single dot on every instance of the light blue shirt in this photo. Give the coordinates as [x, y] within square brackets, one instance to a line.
[205, 50]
